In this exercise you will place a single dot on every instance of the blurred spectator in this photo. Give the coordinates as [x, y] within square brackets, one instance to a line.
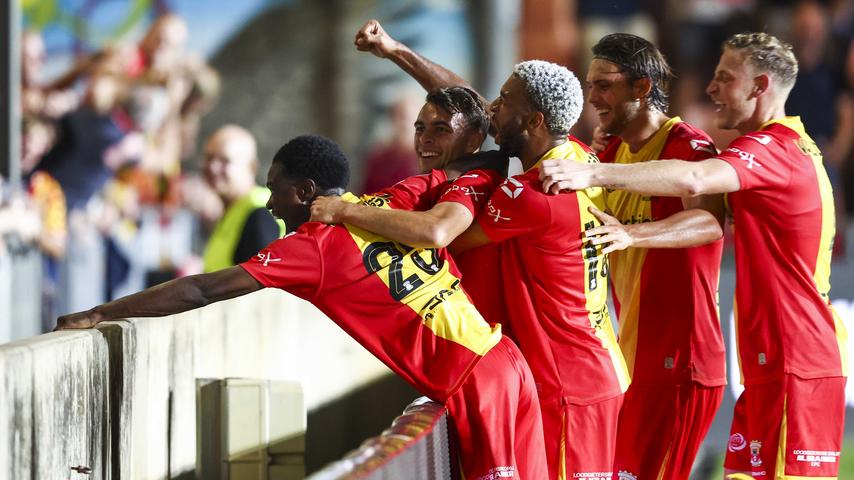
[819, 97]
[47, 100]
[246, 226]
[394, 159]
[848, 167]
[78, 160]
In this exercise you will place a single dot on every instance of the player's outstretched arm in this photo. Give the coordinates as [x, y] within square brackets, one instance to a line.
[172, 297]
[688, 228]
[434, 228]
[373, 38]
[664, 178]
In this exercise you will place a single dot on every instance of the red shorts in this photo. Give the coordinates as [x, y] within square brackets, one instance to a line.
[798, 420]
[496, 413]
[580, 439]
[661, 428]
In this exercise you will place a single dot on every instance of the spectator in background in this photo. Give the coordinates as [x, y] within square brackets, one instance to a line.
[160, 60]
[820, 99]
[848, 171]
[246, 226]
[395, 159]
[78, 159]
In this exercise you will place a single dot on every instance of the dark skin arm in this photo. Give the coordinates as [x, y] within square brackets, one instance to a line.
[372, 38]
[172, 297]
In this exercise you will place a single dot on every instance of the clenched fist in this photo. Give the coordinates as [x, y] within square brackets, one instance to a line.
[372, 38]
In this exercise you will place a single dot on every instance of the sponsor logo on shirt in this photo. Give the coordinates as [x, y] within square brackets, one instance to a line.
[266, 257]
[763, 139]
[495, 213]
[815, 457]
[597, 475]
[512, 187]
[736, 442]
[746, 156]
[755, 446]
[495, 473]
[624, 475]
[703, 146]
[468, 191]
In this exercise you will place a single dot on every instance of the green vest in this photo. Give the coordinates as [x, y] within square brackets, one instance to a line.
[219, 251]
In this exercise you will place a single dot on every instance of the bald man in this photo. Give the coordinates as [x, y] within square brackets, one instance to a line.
[230, 166]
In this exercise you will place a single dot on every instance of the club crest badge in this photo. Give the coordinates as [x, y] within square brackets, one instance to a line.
[755, 446]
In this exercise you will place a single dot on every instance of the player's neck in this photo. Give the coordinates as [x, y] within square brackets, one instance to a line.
[764, 112]
[536, 147]
[642, 128]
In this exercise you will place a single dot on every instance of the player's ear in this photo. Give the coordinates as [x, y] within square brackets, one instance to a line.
[761, 83]
[306, 190]
[536, 120]
[641, 87]
[474, 141]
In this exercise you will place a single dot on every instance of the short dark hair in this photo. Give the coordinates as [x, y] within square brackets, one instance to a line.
[464, 101]
[638, 58]
[316, 158]
[767, 53]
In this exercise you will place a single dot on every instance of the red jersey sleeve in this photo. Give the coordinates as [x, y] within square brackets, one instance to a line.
[514, 209]
[756, 164]
[471, 190]
[411, 193]
[292, 263]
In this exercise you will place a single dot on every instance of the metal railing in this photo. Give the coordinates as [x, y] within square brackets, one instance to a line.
[416, 446]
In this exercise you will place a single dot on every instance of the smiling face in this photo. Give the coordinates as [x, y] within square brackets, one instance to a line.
[610, 92]
[229, 163]
[731, 91]
[510, 114]
[441, 136]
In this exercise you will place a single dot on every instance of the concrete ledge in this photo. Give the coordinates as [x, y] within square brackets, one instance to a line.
[119, 400]
[53, 406]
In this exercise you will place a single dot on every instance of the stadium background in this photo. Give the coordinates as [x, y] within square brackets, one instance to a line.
[288, 67]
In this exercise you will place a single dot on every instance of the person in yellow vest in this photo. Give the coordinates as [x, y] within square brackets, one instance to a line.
[230, 166]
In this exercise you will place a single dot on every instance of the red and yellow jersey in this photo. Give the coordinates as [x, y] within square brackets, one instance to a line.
[480, 267]
[784, 227]
[666, 299]
[405, 305]
[556, 286]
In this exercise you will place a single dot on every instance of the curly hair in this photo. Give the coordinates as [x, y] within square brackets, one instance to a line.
[464, 101]
[316, 158]
[639, 59]
[554, 91]
[767, 53]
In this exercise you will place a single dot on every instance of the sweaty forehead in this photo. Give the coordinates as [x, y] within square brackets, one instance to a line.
[604, 70]
[732, 61]
[431, 114]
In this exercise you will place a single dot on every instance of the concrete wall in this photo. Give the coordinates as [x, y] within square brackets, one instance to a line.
[120, 399]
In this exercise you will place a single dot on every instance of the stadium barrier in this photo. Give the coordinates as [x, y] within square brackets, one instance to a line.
[119, 401]
[20, 287]
[416, 446]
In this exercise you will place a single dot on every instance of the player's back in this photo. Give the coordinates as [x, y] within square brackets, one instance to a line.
[555, 285]
[404, 305]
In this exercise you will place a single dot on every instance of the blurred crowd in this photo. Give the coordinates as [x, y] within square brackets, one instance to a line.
[690, 33]
[102, 147]
[103, 144]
